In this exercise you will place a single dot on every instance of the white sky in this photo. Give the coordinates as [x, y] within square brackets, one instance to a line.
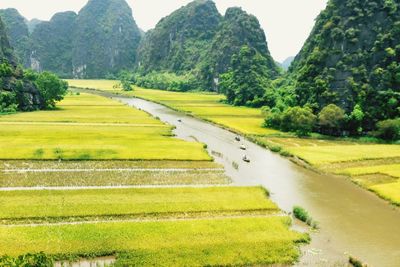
[287, 23]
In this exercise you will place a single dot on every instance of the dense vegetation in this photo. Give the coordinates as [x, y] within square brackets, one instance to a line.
[236, 30]
[25, 90]
[180, 40]
[16, 91]
[105, 39]
[351, 60]
[197, 44]
[345, 80]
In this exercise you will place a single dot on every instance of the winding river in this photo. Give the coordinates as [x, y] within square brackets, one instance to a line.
[352, 220]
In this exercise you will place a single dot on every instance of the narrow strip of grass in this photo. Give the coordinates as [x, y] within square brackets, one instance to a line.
[113, 202]
[107, 164]
[241, 241]
[111, 178]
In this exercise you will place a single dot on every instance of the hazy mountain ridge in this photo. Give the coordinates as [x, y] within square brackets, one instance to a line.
[51, 44]
[18, 34]
[101, 40]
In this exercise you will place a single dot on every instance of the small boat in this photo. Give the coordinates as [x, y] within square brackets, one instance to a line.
[243, 147]
[179, 120]
[237, 138]
[246, 158]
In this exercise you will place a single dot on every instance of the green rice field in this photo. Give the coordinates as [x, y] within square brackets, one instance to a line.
[139, 202]
[226, 241]
[89, 127]
[91, 141]
[326, 155]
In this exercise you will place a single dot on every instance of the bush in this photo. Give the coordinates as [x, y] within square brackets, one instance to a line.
[388, 129]
[299, 120]
[356, 262]
[8, 102]
[34, 260]
[301, 214]
[51, 88]
[166, 81]
[330, 119]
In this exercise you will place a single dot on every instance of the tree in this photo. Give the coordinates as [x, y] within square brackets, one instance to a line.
[299, 120]
[330, 119]
[51, 88]
[247, 80]
[126, 85]
[8, 102]
[388, 129]
[355, 119]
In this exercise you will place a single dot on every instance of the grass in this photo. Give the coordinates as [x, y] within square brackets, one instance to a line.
[240, 241]
[138, 202]
[89, 127]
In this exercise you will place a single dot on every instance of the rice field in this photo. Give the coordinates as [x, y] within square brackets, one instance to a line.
[73, 178]
[89, 127]
[207, 106]
[201, 242]
[327, 155]
[138, 212]
[331, 154]
[381, 179]
[137, 202]
[375, 167]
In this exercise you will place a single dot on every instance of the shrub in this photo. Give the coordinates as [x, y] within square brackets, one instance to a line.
[388, 129]
[301, 214]
[330, 119]
[299, 120]
[356, 262]
[8, 102]
[39, 260]
[166, 81]
[51, 88]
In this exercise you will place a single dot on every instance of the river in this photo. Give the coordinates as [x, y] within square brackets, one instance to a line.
[351, 220]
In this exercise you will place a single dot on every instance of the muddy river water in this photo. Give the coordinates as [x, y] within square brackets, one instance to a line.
[352, 220]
